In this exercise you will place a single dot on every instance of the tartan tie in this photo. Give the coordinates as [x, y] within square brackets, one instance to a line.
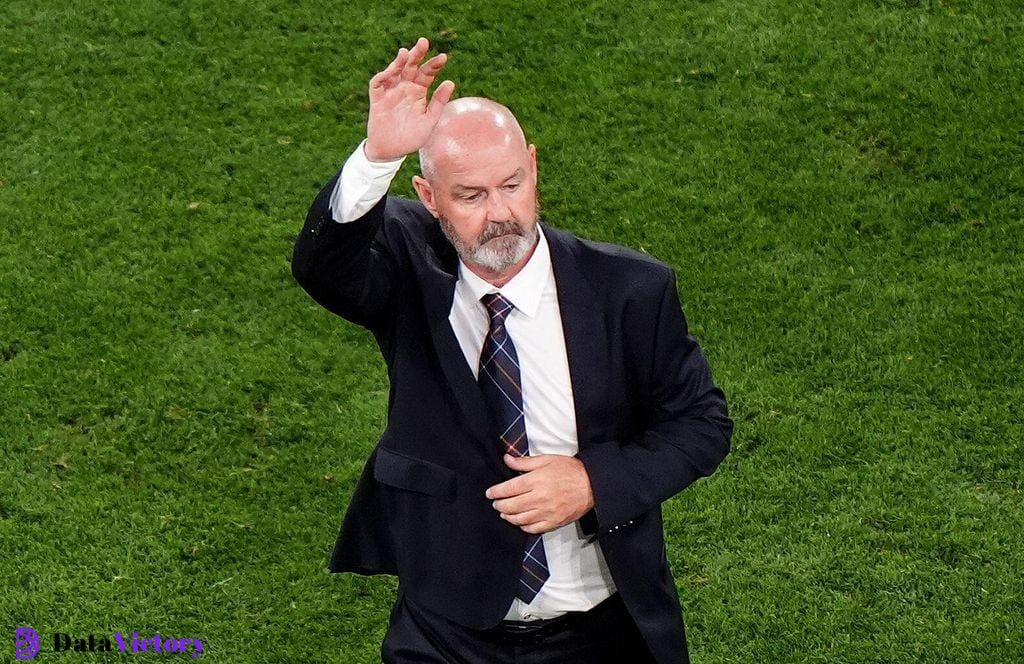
[499, 380]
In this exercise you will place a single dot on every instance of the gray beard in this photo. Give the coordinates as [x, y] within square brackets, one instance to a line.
[496, 256]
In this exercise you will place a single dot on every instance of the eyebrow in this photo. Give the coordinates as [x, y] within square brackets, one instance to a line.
[461, 188]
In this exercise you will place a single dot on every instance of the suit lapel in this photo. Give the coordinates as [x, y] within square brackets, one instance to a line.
[583, 325]
[586, 339]
[439, 279]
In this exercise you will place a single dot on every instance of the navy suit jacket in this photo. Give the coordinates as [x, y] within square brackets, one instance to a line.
[650, 420]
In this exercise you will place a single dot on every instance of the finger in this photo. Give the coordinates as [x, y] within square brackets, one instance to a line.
[415, 57]
[514, 505]
[393, 68]
[538, 528]
[430, 68]
[512, 487]
[441, 96]
[524, 463]
[525, 519]
[396, 65]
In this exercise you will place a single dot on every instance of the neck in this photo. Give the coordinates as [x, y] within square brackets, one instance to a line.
[499, 279]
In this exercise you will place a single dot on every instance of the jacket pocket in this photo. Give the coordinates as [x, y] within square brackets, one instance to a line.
[405, 472]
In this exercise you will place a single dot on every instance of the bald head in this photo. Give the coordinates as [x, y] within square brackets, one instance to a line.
[480, 182]
[468, 125]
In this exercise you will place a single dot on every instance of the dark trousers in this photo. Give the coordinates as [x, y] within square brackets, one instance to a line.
[604, 635]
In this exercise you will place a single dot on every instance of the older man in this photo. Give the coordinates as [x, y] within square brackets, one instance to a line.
[545, 395]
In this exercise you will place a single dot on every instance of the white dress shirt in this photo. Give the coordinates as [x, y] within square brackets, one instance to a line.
[579, 577]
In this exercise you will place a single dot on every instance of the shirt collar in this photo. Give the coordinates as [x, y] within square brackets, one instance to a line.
[524, 290]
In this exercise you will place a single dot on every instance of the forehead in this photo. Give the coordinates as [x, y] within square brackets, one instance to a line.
[480, 160]
[482, 168]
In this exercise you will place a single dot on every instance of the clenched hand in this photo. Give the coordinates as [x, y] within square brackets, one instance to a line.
[552, 491]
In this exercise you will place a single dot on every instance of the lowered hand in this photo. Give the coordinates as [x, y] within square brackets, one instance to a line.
[552, 491]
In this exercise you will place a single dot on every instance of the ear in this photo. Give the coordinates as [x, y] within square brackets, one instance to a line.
[533, 160]
[426, 193]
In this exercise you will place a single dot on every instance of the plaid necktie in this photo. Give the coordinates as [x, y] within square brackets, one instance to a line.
[499, 380]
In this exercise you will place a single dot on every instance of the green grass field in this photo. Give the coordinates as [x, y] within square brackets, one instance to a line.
[840, 186]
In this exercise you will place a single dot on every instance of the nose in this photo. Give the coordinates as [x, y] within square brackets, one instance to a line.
[497, 208]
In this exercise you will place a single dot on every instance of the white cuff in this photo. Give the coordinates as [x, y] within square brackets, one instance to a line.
[361, 185]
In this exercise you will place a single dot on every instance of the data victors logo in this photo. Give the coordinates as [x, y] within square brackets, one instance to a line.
[26, 643]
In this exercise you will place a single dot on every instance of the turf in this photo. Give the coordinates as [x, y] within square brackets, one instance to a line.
[839, 185]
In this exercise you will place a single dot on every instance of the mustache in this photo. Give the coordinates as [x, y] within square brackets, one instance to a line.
[498, 228]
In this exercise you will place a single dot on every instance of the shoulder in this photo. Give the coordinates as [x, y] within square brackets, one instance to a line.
[407, 211]
[409, 218]
[612, 267]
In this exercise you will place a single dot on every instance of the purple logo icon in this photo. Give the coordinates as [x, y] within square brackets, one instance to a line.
[26, 643]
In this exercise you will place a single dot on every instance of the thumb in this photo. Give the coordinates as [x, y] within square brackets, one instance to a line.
[441, 96]
[523, 463]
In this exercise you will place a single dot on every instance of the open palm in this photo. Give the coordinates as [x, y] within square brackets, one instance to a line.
[400, 118]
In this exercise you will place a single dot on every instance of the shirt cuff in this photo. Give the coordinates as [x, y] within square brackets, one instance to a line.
[361, 185]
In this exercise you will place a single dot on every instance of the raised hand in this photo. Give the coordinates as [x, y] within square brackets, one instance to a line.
[400, 118]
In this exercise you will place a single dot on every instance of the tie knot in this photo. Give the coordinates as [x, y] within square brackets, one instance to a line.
[497, 307]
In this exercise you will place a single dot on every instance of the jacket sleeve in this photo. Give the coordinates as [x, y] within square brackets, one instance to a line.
[687, 436]
[346, 267]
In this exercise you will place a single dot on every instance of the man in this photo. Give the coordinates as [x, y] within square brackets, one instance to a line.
[545, 396]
